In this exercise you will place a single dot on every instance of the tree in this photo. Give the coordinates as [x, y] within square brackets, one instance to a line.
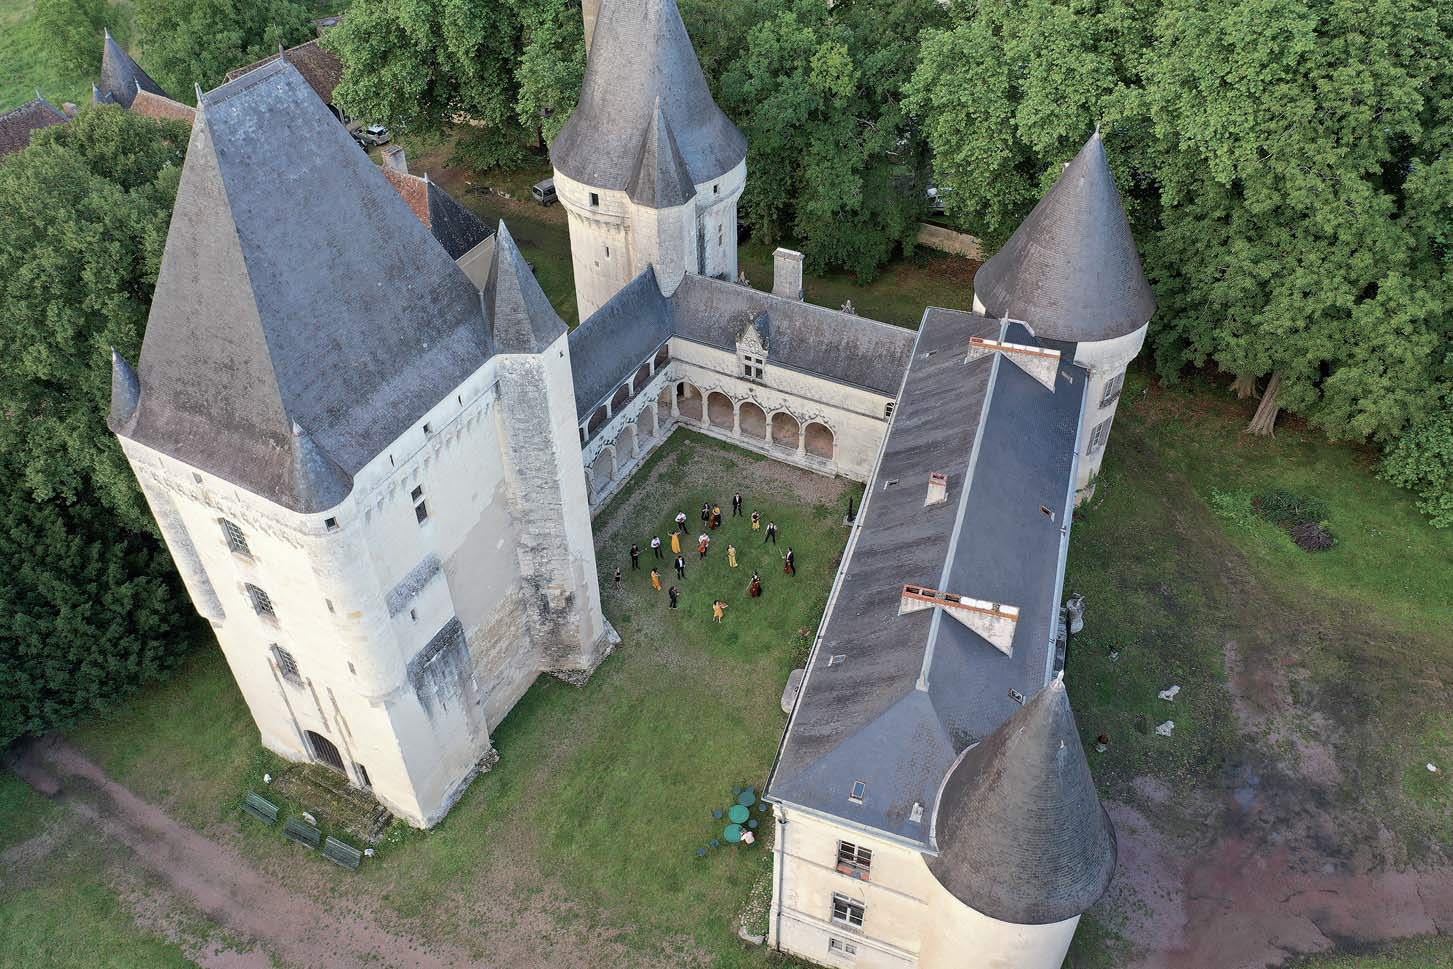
[72, 32]
[834, 160]
[1422, 460]
[81, 236]
[551, 64]
[192, 42]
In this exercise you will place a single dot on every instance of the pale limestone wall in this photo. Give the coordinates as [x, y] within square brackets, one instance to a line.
[621, 445]
[1105, 359]
[947, 240]
[909, 920]
[360, 607]
[614, 240]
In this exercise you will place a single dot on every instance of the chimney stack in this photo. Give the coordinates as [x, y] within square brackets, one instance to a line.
[590, 9]
[787, 274]
[394, 158]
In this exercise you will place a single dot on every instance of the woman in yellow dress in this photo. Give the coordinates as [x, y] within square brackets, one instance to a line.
[732, 556]
[656, 580]
[675, 543]
[718, 609]
[756, 521]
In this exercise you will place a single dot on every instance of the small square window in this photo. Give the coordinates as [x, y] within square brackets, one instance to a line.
[261, 601]
[286, 665]
[331, 524]
[1098, 436]
[859, 789]
[196, 477]
[888, 410]
[594, 199]
[421, 512]
[428, 428]
[1112, 389]
[417, 493]
[716, 189]
[840, 948]
[847, 911]
[236, 540]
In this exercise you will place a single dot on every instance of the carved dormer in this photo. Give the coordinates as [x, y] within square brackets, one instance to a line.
[752, 344]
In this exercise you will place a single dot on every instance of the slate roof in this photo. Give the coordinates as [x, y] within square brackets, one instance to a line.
[523, 319]
[320, 67]
[641, 56]
[162, 108]
[121, 76]
[303, 317]
[915, 690]
[1071, 269]
[661, 180]
[455, 227]
[608, 347]
[19, 124]
[1021, 833]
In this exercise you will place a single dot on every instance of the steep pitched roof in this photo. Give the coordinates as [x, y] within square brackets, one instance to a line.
[162, 108]
[19, 124]
[303, 317]
[608, 347]
[456, 227]
[1071, 270]
[121, 76]
[1022, 836]
[641, 55]
[524, 321]
[320, 67]
[661, 180]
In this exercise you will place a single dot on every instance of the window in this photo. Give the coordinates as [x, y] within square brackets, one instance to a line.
[1112, 389]
[331, 524]
[286, 665]
[594, 199]
[753, 366]
[837, 658]
[236, 540]
[853, 859]
[197, 478]
[362, 775]
[716, 189]
[329, 604]
[847, 911]
[421, 510]
[261, 602]
[839, 947]
[888, 409]
[1099, 435]
[859, 789]
[719, 231]
[428, 428]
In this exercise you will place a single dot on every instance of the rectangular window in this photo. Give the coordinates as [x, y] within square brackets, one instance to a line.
[286, 665]
[1112, 389]
[331, 524]
[853, 859]
[594, 199]
[838, 947]
[261, 601]
[421, 510]
[236, 540]
[362, 776]
[1099, 435]
[888, 410]
[858, 792]
[847, 911]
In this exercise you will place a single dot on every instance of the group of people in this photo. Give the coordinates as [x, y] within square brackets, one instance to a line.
[711, 518]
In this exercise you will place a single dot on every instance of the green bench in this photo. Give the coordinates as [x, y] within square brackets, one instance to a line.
[342, 854]
[260, 808]
[303, 833]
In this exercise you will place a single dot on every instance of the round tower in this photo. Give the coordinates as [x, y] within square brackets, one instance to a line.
[1024, 847]
[648, 168]
[1071, 272]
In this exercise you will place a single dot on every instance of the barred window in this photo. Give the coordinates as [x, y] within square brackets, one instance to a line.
[421, 510]
[1112, 389]
[842, 948]
[286, 664]
[1099, 436]
[847, 911]
[261, 601]
[236, 539]
[853, 859]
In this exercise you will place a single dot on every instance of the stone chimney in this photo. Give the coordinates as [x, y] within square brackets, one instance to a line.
[590, 9]
[787, 274]
[394, 158]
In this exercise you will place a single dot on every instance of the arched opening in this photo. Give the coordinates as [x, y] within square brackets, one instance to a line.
[819, 441]
[785, 430]
[626, 443]
[753, 420]
[688, 402]
[622, 394]
[719, 410]
[589, 486]
[595, 422]
[663, 355]
[603, 469]
[643, 375]
[324, 752]
[648, 422]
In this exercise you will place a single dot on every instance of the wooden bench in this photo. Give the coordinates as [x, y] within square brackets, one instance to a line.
[303, 833]
[342, 854]
[260, 808]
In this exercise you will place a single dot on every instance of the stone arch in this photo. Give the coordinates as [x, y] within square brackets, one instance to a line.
[719, 410]
[785, 430]
[622, 394]
[663, 402]
[597, 419]
[818, 440]
[753, 420]
[689, 403]
[603, 469]
[642, 377]
[324, 751]
[663, 356]
[648, 421]
[626, 443]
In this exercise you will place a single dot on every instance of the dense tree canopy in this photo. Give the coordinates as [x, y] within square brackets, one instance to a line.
[191, 42]
[72, 31]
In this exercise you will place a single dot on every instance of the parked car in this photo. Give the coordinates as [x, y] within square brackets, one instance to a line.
[370, 136]
[935, 199]
[544, 192]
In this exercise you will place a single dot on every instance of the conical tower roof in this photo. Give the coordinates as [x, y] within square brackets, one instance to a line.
[121, 76]
[1071, 270]
[662, 179]
[641, 55]
[524, 320]
[304, 318]
[1021, 834]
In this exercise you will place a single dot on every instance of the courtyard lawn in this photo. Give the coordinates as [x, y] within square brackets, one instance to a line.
[587, 830]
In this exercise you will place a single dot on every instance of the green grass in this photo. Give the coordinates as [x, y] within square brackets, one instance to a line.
[77, 922]
[1430, 953]
[27, 63]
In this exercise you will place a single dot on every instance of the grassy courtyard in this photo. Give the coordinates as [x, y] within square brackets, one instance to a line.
[587, 831]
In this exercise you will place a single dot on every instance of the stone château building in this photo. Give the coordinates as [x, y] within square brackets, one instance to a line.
[375, 471]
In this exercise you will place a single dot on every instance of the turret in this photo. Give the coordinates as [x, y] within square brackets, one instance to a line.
[648, 168]
[121, 77]
[1071, 272]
